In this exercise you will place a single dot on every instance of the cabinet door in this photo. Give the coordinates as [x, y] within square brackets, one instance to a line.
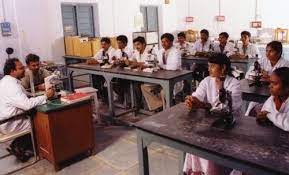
[72, 131]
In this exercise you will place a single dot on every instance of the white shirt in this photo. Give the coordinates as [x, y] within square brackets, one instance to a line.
[185, 46]
[252, 51]
[127, 50]
[228, 50]
[266, 65]
[207, 91]
[279, 118]
[173, 62]
[199, 47]
[172, 57]
[14, 101]
[142, 58]
[111, 53]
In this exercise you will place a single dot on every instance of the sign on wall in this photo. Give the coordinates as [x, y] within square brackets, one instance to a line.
[6, 28]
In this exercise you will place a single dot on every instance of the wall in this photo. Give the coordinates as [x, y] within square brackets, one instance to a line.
[37, 25]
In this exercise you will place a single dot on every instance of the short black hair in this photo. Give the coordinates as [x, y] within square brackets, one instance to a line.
[205, 31]
[139, 39]
[122, 38]
[221, 59]
[246, 33]
[277, 46]
[168, 36]
[106, 40]
[10, 65]
[32, 58]
[225, 34]
[283, 74]
[182, 34]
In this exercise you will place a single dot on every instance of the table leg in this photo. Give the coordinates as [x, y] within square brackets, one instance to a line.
[168, 92]
[132, 96]
[70, 81]
[110, 95]
[142, 156]
[181, 163]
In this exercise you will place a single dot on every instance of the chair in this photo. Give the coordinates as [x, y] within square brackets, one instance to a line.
[11, 136]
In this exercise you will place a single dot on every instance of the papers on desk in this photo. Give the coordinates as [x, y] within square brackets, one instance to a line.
[106, 66]
[75, 97]
[149, 70]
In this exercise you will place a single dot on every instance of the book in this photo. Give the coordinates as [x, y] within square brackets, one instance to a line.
[75, 97]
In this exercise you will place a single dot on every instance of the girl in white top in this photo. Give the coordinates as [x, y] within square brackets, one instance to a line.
[276, 108]
[273, 61]
[206, 96]
[247, 49]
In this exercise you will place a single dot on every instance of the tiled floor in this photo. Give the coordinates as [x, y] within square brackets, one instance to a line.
[116, 155]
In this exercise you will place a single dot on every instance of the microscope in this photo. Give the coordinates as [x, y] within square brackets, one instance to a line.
[152, 60]
[256, 75]
[223, 109]
[54, 81]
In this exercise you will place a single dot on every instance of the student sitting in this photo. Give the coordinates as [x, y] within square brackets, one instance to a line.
[14, 101]
[206, 96]
[123, 50]
[276, 108]
[247, 49]
[202, 45]
[169, 58]
[141, 53]
[182, 45]
[272, 61]
[224, 46]
[106, 51]
[34, 72]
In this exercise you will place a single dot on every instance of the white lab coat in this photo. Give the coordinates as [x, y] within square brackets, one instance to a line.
[199, 47]
[111, 53]
[252, 51]
[229, 48]
[14, 101]
[173, 62]
[207, 92]
[127, 50]
[266, 65]
[279, 118]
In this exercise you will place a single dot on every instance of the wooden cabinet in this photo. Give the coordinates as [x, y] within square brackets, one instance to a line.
[64, 132]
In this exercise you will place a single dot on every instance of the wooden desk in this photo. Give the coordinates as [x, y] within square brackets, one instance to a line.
[167, 79]
[64, 131]
[74, 59]
[254, 93]
[248, 147]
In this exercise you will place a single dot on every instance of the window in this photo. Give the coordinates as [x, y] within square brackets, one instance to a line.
[78, 19]
[150, 18]
[150, 30]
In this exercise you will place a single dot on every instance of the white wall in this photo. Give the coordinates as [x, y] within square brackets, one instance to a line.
[37, 24]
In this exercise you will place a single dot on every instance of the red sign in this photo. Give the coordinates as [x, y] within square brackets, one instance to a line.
[256, 24]
[220, 18]
[189, 19]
